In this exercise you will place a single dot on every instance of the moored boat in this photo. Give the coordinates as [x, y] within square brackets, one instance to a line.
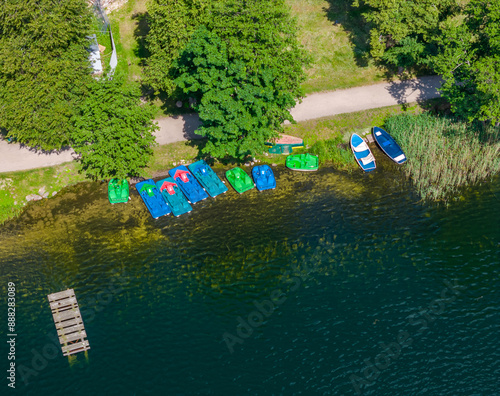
[152, 198]
[263, 177]
[302, 162]
[174, 197]
[388, 145]
[239, 179]
[188, 184]
[212, 184]
[118, 191]
[362, 153]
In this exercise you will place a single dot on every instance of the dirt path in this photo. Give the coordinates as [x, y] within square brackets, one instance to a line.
[13, 157]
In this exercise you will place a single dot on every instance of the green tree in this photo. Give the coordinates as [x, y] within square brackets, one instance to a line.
[113, 131]
[244, 70]
[171, 25]
[402, 31]
[44, 68]
[469, 61]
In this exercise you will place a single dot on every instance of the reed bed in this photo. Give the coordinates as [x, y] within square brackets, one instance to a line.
[334, 151]
[444, 154]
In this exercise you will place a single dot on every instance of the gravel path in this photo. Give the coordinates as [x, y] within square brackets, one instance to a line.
[14, 157]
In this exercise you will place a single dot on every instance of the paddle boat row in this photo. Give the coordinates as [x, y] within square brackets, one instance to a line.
[363, 155]
[186, 186]
[176, 194]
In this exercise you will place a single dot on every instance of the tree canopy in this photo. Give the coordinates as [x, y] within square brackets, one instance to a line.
[171, 24]
[469, 61]
[402, 32]
[113, 131]
[244, 69]
[44, 68]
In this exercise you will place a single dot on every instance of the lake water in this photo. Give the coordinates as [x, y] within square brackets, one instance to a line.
[332, 284]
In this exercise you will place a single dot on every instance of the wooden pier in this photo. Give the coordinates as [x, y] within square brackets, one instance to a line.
[68, 321]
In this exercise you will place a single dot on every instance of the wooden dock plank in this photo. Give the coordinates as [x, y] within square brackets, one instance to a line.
[69, 323]
[73, 337]
[71, 314]
[60, 295]
[75, 348]
[63, 303]
[70, 329]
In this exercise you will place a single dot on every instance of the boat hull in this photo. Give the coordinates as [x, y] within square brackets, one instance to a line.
[174, 198]
[188, 184]
[118, 191]
[239, 180]
[152, 198]
[356, 143]
[388, 145]
[263, 177]
[302, 162]
[212, 184]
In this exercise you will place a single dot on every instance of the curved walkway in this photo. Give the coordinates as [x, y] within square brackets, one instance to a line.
[15, 157]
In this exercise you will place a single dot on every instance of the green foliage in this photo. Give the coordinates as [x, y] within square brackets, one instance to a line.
[171, 25]
[113, 130]
[43, 68]
[444, 155]
[469, 61]
[400, 27]
[408, 53]
[244, 70]
[335, 151]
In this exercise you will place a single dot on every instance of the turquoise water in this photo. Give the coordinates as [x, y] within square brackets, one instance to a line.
[333, 284]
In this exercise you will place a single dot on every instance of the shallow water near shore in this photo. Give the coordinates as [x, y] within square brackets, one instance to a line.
[333, 283]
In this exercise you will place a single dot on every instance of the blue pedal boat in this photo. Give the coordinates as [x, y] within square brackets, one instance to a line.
[362, 153]
[152, 198]
[188, 184]
[208, 178]
[174, 196]
[263, 177]
[388, 145]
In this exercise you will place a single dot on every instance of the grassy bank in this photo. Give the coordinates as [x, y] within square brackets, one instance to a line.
[16, 186]
[445, 155]
[336, 37]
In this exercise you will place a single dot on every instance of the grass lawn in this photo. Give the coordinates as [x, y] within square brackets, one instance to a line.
[129, 29]
[15, 186]
[335, 36]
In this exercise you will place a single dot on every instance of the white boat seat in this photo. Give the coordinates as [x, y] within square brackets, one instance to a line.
[366, 160]
[361, 147]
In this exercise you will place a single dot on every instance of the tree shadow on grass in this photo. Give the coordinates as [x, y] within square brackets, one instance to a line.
[140, 33]
[342, 13]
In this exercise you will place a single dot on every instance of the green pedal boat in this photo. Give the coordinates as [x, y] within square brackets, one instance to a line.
[240, 180]
[302, 162]
[118, 191]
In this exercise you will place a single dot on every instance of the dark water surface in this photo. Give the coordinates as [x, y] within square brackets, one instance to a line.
[333, 284]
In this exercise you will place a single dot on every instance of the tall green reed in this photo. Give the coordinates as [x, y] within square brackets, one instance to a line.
[445, 154]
